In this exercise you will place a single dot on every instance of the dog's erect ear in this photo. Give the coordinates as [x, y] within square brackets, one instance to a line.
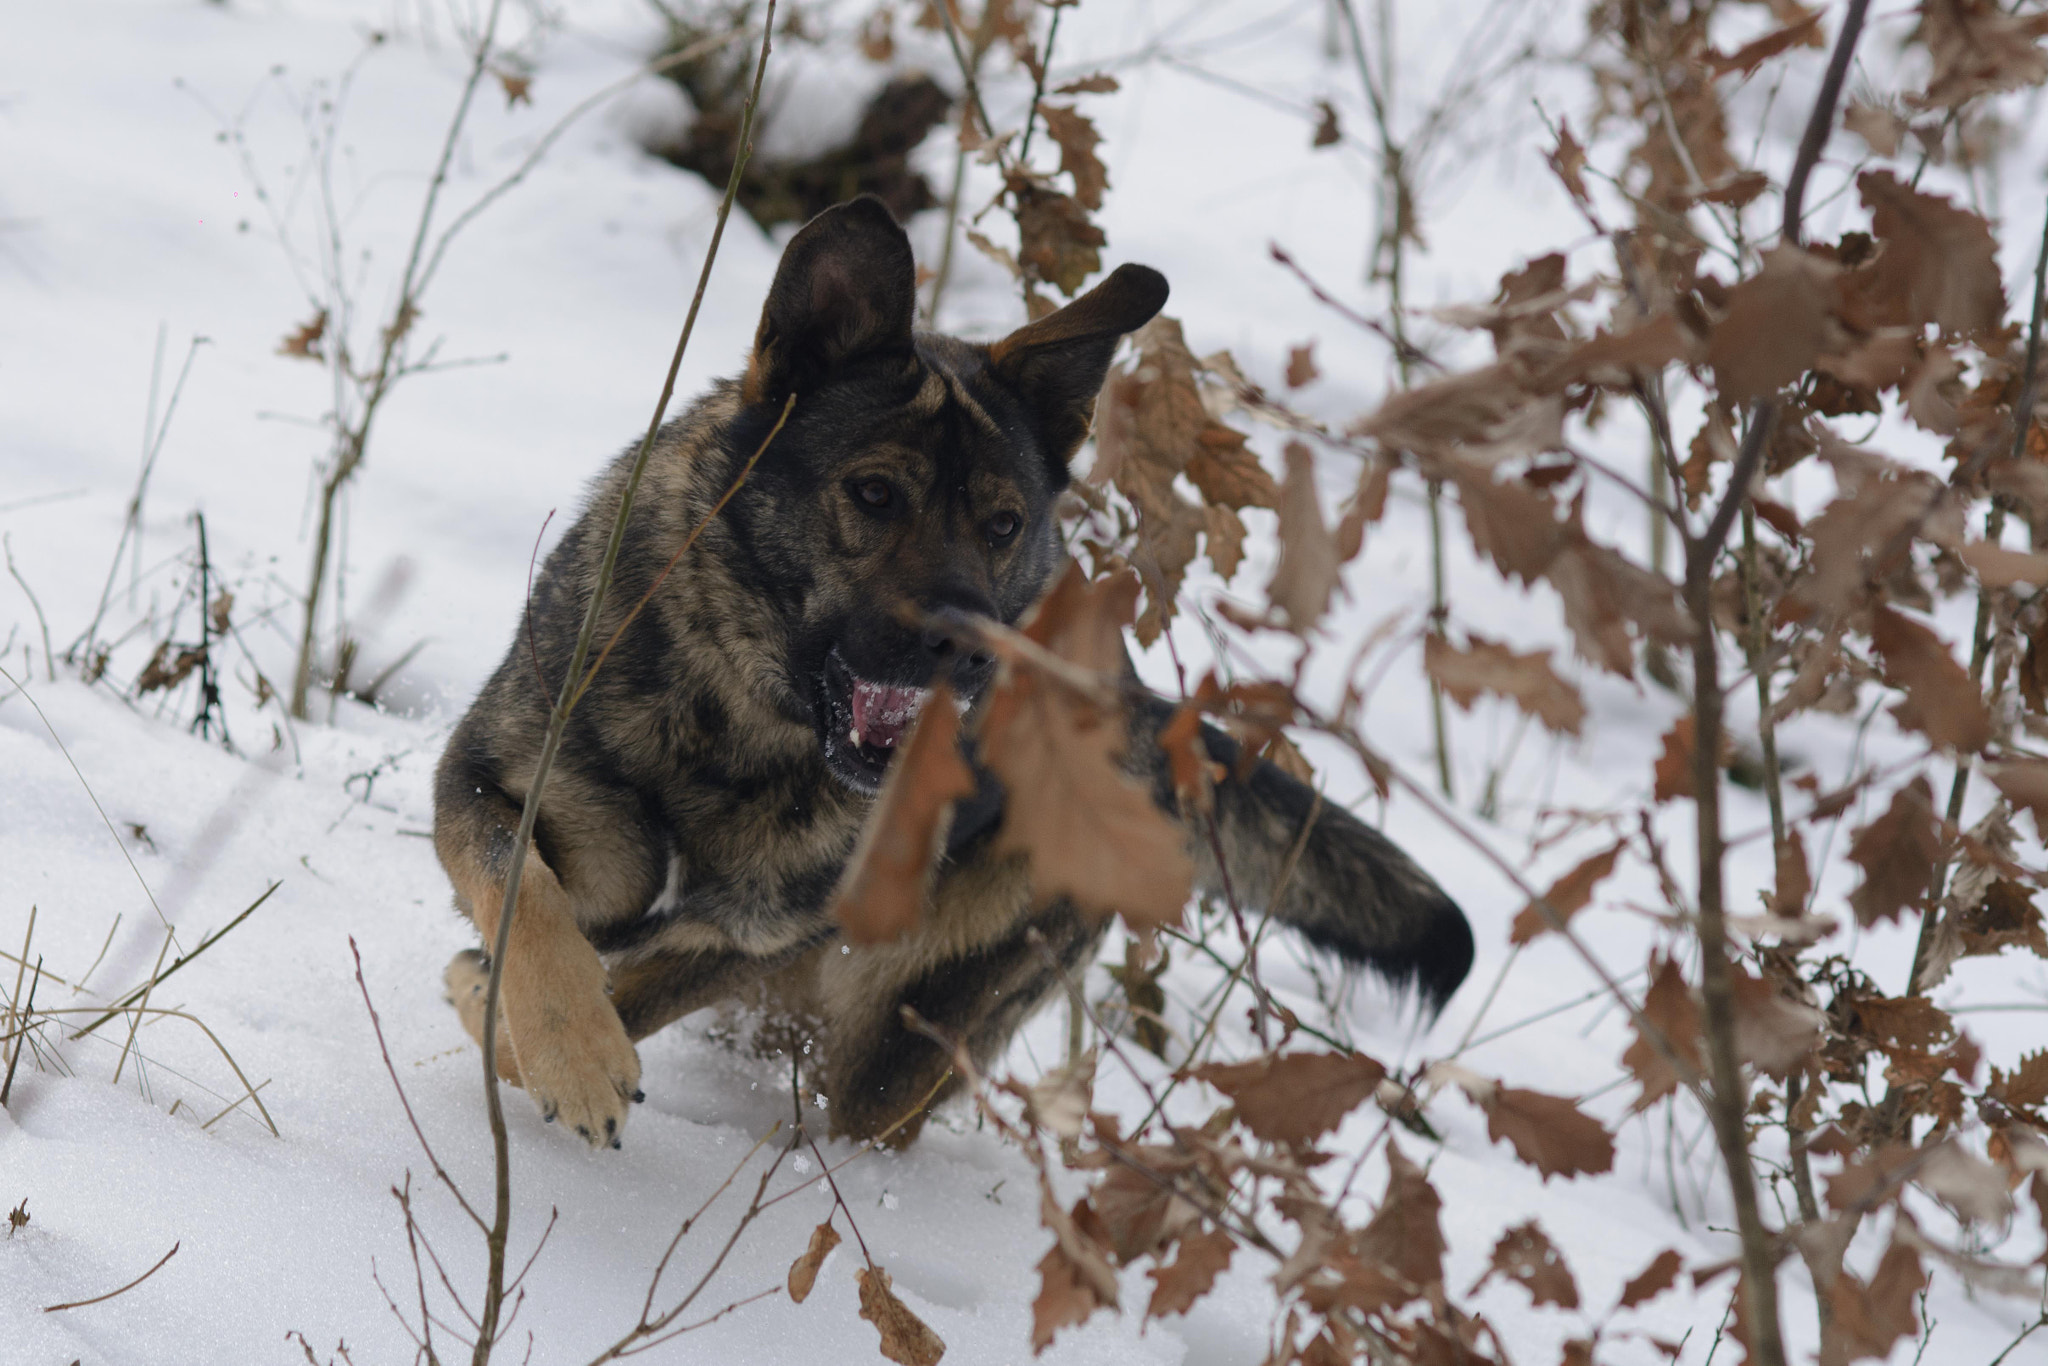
[846, 289]
[1056, 365]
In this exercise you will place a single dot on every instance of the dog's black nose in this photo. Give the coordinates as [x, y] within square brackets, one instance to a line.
[951, 641]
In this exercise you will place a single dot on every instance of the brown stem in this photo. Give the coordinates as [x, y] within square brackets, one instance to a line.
[494, 1287]
[354, 442]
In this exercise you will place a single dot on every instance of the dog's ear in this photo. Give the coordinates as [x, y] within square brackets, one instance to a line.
[1056, 365]
[846, 290]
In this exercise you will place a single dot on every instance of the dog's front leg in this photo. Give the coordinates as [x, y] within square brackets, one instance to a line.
[559, 1036]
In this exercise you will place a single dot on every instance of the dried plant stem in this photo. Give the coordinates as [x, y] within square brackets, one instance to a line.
[1389, 262]
[354, 438]
[1729, 1103]
[98, 1299]
[49, 659]
[977, 53]
[572, 685]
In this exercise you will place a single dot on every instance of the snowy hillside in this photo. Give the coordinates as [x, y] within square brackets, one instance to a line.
[180, 180]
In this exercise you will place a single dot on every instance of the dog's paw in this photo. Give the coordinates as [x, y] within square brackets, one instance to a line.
[579, 1066]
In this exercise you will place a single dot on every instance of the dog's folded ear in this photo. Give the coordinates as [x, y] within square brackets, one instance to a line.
[1056, 365]
[846, 290]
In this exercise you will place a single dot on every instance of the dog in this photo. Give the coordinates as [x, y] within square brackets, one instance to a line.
[714, 778]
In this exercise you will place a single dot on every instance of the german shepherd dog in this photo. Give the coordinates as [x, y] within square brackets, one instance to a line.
[712, 782]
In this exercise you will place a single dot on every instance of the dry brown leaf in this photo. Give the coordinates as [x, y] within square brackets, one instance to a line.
[1100, 83]
[883, 888]
[1307, 574]
[1526, 1256]
[1896, 852]
[1406, 1235]
[1510, 522]
[1568, 161]
[1776, 323]
[1612, 357]
[1301, 365]
[1674, 772]
[803, 1272]
[1879, 127]
[1195, 1267]
[905, 1338]
[305, 339]
[2027, 1086]
[1567, 896]
[1868, 1319]
[518, 86]
[1604, 593]
[1939, 263]
[1550, 1133]
[2024, 783]
[1065, 1296]
[1669, 1007]
[1223, 540]
[1295, 1098]
[1526, 679]
[1795, 880]
[1656, 1278]
[1089, 829]
[1075, 133]
[1979, 49]
[1941, 699]
[1747, 58]
[1328, 131]
[1056, 240]
[1367, 504]
[1772, 1031]
[1228, 473]
[1997, 567]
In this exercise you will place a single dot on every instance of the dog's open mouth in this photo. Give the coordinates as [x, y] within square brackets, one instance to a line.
[864, 722]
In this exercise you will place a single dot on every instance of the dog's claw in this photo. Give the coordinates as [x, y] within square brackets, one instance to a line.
[615, 1143]
[639, 1096]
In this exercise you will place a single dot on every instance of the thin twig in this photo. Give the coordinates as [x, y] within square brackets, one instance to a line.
[558, 723]
[99, 1299]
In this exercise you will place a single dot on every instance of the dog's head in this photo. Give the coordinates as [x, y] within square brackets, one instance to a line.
[914, 481]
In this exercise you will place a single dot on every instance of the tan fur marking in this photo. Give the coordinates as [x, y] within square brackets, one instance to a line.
[568, 1048]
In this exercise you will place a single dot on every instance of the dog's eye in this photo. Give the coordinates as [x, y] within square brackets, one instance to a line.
[1004, 525]
[875, 493]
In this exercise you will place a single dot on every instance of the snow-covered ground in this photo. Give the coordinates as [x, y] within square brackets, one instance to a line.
[136, 136]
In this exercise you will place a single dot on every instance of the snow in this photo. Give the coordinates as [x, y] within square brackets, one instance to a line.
[131, 232]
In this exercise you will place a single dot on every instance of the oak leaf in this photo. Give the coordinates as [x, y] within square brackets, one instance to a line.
[1978, 49]
[1307, 574]
[1550, 1133]
[1200, 1259]
[1526, 679]
[1075, 133]
[1406, 1234]
[905, 1338]
[803, 1272]
[1056, 240]
[1301, 365]
[1868, 1319]
[1656, 1278]
[1567, 896]
[1896, 852]
[1526, 1256]
[1295, 1098]
[1941, 698]
[1939, 262]
[1670, 1009]
[1776, 323]
[1088, 828]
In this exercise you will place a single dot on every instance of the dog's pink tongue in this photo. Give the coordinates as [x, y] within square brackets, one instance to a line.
[882, 713]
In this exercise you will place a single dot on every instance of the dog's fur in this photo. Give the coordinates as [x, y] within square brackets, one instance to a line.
[710, 788]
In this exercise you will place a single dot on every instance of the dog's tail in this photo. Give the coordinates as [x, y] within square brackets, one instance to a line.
[1343, 885]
